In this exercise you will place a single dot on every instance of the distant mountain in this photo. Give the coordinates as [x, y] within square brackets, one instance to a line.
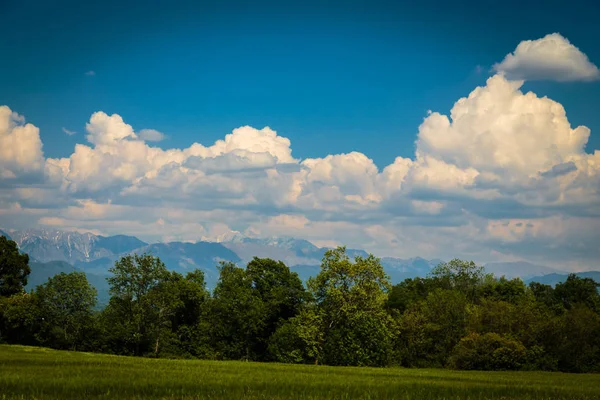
[6, 235]
[521, 269]
[185, 257]
[289, 250]
[400, 269]
[553, 279]
[52, 245]
[95, 254]
[41, 272]
[177, 256]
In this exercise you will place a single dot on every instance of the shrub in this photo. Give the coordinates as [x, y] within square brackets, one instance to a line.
[488, 352]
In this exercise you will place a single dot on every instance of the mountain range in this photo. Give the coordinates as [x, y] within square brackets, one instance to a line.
[54, 251]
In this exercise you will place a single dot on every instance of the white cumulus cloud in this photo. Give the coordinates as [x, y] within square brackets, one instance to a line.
[552, 57]
[504, 175]
[20, 145]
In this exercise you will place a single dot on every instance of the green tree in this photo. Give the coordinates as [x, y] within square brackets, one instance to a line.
[351, 298]
[66, 306]
[502, 289]
[408, 292]
[133, 278]
[446, 314]
[163, 300]
[282, 294]
[579, 347]
[464, 276]
[299, 339]
[237, 314]
[20, 319]
[576, 290]
[14, 268]
[490, 351]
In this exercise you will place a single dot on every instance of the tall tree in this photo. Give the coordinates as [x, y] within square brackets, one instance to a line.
[14, 268]
[576, 290]
[237, 312]
[66, 305]
[464, 276]
[281, 292]
[351, 298]
[133, 278]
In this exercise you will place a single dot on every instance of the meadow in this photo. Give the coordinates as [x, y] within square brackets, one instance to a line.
[39, 373]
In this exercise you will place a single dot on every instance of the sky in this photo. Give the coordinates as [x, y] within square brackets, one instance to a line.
[449, 129]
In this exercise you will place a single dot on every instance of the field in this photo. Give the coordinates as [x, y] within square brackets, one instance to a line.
[37, 373]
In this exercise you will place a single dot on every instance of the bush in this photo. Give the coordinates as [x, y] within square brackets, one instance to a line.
[488, 352]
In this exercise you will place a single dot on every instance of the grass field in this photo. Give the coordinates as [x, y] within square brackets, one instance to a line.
[37, 373]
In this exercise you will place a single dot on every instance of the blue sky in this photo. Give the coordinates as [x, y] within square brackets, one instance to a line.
[373, 142]
[351, 76]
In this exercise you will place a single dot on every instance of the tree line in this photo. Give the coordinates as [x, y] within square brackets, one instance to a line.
[349, 314]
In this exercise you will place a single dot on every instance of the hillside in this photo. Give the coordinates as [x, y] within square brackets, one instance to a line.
[41, 272]
[95, 254]
[553, 279]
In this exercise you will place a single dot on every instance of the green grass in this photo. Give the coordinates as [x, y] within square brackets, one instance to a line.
[37, 373]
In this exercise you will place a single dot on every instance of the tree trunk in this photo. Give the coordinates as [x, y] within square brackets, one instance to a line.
[156, 346]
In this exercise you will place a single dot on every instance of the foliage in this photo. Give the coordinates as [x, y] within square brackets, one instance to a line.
[348, 314]
[489, 351]
[133, 279]
[66, 302]
[14, 268]
[238, 313]
[20, 319]
[351, 299]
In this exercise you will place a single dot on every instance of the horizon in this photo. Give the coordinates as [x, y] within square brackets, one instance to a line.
[239, 235]
[376, 126]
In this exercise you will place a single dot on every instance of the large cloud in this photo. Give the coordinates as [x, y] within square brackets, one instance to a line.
[552, 57]
[503, 176]
[20, 146]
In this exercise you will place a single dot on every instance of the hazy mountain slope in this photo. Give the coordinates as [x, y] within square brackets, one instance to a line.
[553, 279]
[96, 254]
[41, 272]
[6, 235]
[521, 269]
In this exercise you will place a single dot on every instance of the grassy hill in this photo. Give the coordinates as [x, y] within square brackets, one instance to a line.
[37, 373]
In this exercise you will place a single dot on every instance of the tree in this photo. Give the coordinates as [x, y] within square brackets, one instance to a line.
[464, 276]
[20, 319]
[409, 291]
[502, 289]
[446, 314]
[299, 339]
[282, 295]
[351, 299]
[133, 278]
[66, 305]
[163, 301]
[237, 314]
[14, 268]
[490, 351]
[579, 349]
[576, 290]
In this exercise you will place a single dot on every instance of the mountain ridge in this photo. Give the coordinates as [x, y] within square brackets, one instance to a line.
[95, 254]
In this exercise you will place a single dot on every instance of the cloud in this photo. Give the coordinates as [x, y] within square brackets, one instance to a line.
[20, 146]
[504, 175]
[151, 135]
[68, 132]
[90, 73]
[552, 57]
